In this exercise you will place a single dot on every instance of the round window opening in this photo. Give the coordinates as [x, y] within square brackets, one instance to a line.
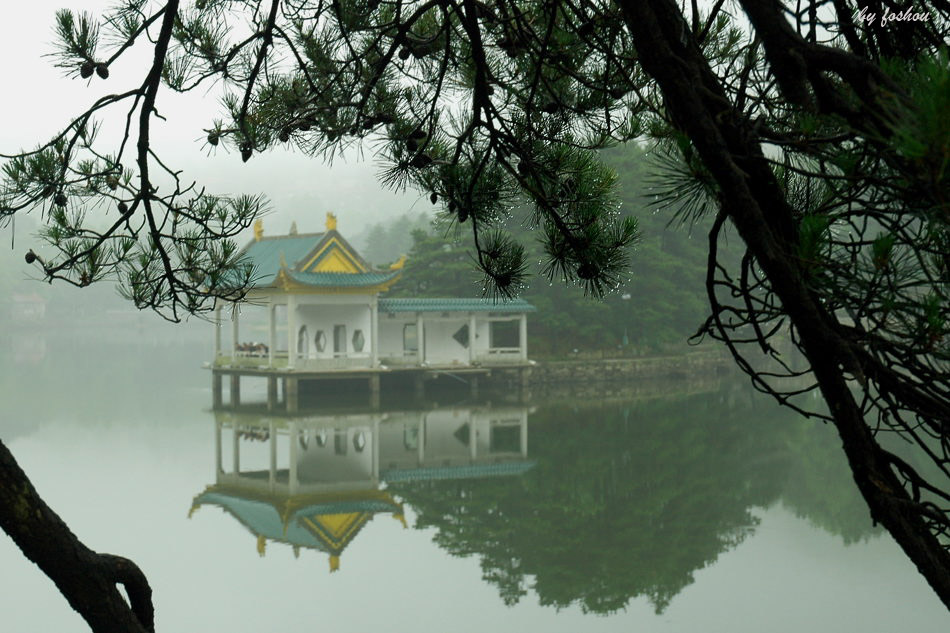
[320, 340]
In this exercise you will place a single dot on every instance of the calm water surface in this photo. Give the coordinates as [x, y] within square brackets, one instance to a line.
[703, 511]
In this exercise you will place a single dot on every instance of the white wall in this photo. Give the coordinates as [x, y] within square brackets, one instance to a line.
[320, 312]
[330, 464]
[482, 337]
[390, 334]
[441, 348]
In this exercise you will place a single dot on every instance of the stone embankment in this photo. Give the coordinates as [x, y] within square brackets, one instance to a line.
[626, 369]
[700, 372]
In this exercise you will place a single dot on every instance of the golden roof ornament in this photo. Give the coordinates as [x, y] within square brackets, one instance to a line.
[399, 264]
[258, 230]
[331, 221]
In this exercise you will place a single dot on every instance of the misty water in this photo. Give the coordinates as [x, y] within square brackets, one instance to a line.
[686, 506]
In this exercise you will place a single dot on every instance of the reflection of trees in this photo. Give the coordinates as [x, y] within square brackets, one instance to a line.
[629, 501]
[819, 486]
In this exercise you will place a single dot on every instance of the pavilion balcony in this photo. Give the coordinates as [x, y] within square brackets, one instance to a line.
[500, 355]
[329, 364]
[251, 360]
[280, 361]
[404, 359]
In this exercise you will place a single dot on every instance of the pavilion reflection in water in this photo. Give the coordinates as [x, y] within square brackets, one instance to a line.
[315, 481]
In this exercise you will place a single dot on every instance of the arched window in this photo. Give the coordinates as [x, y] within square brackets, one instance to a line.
[303, 342]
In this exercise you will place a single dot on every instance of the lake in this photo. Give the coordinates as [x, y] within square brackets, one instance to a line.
[705, 509]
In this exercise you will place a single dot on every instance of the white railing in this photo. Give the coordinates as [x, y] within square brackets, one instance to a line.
[400, 359]
[323, 364]
[251, 360]
[500, 355]
[262, 361]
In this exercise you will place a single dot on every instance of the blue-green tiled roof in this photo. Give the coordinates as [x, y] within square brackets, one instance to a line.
[262, 518]
[457, 472]
[454, 305]
[343, 280]
[265, 254]
[345, 507]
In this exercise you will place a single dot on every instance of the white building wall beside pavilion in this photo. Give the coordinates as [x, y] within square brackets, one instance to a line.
[481, 339]
[441, 346]
[391, 348]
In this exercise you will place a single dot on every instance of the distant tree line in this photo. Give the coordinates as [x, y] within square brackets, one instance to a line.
[659, 305]
[385, 242]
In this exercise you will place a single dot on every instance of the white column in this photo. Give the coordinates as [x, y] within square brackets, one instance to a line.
[375, 441]
[272, 478]
[236, 449]
[291, 331]
[471, 338]
[272, 338]
[472, 437]
[373, 332]
[292, 473]
[524, 434]
[523, 336]
[217, 330]
[421, 337]
[421, 440]
[217, 449]
[235, 326]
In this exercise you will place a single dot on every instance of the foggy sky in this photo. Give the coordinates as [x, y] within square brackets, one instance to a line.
[41, 100]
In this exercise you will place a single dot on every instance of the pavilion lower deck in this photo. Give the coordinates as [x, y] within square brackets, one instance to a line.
[284, 385]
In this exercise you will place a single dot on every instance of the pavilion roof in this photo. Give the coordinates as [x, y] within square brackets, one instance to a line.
[327, 522]
[266, 253]
[312, 261]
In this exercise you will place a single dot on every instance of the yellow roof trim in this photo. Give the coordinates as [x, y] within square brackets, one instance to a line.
[287, 505]
[285, 282]
[336, 530]
[345, 252]
[335, 261]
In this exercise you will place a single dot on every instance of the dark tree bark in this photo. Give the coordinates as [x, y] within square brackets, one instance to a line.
[752, 199]
[86, 579]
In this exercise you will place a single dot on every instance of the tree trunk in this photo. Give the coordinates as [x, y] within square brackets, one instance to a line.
[753, 200]
[86, 579]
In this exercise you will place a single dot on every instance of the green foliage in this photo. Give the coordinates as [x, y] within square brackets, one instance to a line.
[384, 243]
[438, 266]
[658, 304]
